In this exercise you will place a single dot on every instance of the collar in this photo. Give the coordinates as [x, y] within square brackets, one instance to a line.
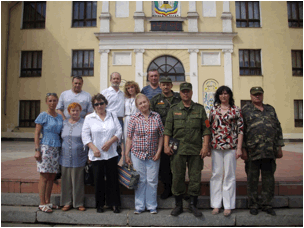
[182, 106]
[139, 114]
[76, 93]
[112, 89]
[94, 115]
[163, 96]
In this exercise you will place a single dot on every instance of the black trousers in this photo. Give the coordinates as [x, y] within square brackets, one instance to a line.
[165, 169]
[106, 189]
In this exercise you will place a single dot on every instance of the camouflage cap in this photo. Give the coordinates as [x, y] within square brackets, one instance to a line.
[165, 79]
[185, 85]
[256, 89]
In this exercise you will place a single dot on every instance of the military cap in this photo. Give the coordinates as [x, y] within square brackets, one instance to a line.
[165, 79]
[185, 85]
[256, 89]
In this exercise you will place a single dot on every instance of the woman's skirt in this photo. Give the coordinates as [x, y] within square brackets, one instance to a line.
[49, 159]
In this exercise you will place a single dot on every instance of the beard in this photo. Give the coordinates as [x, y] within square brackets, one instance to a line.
[115, 84]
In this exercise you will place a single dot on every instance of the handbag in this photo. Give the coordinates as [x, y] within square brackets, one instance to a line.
[127, 176]
[88, 175]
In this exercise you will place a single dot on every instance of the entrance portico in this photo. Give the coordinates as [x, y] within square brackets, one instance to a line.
[140, 43]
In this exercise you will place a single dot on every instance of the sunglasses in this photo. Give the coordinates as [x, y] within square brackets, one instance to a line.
[101, 103]
[51, 94]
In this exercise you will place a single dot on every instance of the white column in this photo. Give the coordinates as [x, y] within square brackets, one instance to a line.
[194, 73]
[139, 66]
[228, 67]
[105, 17]
[104, 53]
[192, 17]
[226, 17]
[139, 17]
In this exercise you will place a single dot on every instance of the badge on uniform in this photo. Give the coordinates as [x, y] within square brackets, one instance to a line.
[207, 123]
[161, 102]
[178, 113]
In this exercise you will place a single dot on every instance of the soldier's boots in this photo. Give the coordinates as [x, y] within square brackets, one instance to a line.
[178, 206]
[270, 211]
[192, 207]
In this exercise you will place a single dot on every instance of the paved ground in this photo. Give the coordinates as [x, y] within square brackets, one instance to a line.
[17, 162]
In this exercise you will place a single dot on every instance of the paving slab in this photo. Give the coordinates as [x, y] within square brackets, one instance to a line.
[18, 214]
[284, 217]
[163, 218]
[90, 217]
[295, 201]
[24, 225]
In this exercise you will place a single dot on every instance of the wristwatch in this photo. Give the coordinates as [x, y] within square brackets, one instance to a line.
[36, 149]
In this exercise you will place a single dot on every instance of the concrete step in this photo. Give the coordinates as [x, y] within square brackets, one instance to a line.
[282, 188]
[17, 214]
[127, 201]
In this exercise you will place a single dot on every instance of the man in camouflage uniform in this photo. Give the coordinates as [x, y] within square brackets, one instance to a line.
[262, 145]
[161, 103]
[187, 122]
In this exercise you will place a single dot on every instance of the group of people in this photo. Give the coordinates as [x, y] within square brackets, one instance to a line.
[90, 129]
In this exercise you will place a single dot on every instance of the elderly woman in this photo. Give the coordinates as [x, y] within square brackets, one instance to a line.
[145, 141]
[101, 131]
[47, 150]
[226, 123]
[72, 160]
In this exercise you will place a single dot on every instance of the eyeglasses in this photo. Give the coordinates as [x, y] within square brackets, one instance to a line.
[101, 103]
[51, 94]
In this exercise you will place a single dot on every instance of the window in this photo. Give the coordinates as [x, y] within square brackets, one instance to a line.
[168, 66]
[31, 63]
[295, 14]
[84, 14]
[83, 63]
[28, 112]
[247, 14]
[298, 113]
[297, 62]
[250, 62]
[244, 102]
[34, 15]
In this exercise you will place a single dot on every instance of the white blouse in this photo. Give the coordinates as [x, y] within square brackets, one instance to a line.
[98, 132]
[130, 107]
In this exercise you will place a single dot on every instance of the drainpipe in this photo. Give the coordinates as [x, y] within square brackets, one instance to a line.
[6, 57]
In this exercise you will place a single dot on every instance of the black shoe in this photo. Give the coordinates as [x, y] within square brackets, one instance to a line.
[254, 211]
[116, 209]
[270, 211]
[192, 207]
[179, 206]
[100, 210]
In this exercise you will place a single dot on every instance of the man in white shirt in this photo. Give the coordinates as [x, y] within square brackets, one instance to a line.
[76, 94]
[115, 97]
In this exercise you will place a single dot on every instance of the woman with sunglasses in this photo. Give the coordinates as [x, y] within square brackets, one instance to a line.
[47, 150]
[101, 131]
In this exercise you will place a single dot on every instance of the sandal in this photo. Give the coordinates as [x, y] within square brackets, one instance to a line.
[66, 207]
[227, 212]
[45, 208]
[215, 211]
[81, 208]
[53, 206]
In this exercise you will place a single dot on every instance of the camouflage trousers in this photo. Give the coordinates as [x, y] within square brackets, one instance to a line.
[178, 167]
[252, 168]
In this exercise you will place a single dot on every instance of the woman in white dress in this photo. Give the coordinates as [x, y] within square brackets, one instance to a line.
[131, 89]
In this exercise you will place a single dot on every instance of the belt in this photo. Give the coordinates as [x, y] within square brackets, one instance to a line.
[120, 118]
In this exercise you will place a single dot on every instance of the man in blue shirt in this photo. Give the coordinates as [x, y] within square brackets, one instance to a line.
[152, 89]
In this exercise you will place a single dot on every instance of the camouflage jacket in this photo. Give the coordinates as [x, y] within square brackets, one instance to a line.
[161, 105]
[188, 126]
[263, 132]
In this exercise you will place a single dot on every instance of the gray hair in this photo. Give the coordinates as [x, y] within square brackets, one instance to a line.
[115, 73]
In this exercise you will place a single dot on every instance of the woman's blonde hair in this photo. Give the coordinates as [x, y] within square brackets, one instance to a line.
[139, 95]
[74, 105]
[131, 83]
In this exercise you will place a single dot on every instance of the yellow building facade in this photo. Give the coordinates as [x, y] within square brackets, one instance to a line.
[238, 44]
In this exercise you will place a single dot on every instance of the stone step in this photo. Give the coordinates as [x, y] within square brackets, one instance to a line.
[127, 201]
[17, 214]
[282, 188]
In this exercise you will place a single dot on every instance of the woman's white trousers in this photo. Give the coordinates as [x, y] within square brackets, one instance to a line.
[222, 182]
